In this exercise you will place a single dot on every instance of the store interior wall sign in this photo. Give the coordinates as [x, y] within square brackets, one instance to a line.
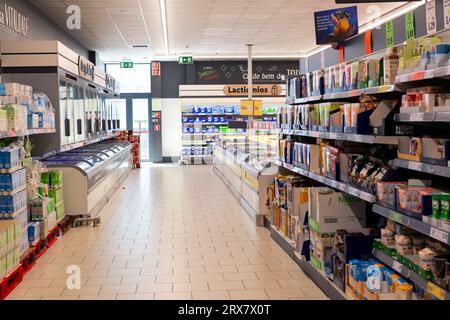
[86, 69]
[156, 68]
[258, 90]
[336, 25]
[264, 72]
[14, 20]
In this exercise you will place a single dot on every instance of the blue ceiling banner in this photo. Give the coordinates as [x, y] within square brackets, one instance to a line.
[336, 25]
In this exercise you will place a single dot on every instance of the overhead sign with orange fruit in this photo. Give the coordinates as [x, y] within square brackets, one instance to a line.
[336, 25]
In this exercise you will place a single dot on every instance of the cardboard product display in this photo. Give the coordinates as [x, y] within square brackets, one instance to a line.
[335, 210]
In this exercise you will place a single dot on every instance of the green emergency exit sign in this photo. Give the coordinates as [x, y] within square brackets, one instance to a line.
[126, 65]
[185, 60]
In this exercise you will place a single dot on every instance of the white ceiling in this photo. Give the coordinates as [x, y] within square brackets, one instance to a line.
[198, 27]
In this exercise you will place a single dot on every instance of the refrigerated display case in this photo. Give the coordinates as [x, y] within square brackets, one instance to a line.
[77, 90]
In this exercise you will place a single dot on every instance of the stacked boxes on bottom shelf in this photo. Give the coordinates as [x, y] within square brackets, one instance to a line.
[10, 234]
[48, 209]
[13, 193]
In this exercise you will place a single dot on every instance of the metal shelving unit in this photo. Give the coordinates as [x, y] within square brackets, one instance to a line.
[13, 134]
[370, 139]
[443, 72]
[342, 186]
[422, 167]
[423, 117]
[429, 286]
[344, 95]
[427, 229]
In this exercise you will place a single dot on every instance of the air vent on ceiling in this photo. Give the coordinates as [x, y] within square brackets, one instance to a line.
[140, 46]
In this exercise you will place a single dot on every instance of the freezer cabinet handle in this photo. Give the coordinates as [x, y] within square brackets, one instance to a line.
[67, 127]
[79, 126]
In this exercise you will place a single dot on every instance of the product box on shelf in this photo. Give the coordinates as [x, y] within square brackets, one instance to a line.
[409, 148]
[13, 203]
[415, 201]
[34, 232]
[390, 65]
[13, 181]
[386, 193]
[38, 209]
[57, 195]
[335, 210]
[332, 159]
[436, 151]
[10, 157]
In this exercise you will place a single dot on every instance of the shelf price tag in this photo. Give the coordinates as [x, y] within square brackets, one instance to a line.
[416, 116]
[436, 291]
[417, 166]
[395, 216]
[439, 234]
[389, 34]
[409, 26]
[397, 266]
[431, 17]
[446, 14]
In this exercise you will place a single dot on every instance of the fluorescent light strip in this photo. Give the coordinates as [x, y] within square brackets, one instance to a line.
[145, 22]
[162, 7]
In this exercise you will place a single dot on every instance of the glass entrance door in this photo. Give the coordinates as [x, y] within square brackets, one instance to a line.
[135, 114]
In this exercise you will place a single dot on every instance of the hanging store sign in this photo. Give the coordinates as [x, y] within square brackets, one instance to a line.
[258, 90]
[336, 25]
[86, 69]
[14, 20]
[236, 72]
[110, 83]
[156, 69]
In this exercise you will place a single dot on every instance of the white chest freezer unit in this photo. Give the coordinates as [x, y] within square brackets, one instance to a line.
[91, 174]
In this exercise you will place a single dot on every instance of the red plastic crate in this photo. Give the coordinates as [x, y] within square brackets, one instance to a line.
[10, 282]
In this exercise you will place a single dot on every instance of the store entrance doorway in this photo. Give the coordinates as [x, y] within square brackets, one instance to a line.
[138, 118]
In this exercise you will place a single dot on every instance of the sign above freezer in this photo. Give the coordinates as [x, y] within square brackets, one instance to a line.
[86, 69]
[110, 83]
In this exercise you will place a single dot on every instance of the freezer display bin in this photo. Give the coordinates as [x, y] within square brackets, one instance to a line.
[91, 174]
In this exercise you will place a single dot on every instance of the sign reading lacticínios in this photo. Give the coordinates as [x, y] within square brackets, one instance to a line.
[258, 90]
[86, 69]
[14, 20]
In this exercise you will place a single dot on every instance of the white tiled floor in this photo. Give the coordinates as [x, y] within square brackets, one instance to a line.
[169, 233]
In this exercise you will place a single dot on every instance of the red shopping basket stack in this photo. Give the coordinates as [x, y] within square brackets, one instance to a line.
[135, 141]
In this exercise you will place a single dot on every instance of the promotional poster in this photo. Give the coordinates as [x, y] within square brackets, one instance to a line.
[336, 25]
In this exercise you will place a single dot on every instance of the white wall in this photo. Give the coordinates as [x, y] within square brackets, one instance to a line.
[171, 127]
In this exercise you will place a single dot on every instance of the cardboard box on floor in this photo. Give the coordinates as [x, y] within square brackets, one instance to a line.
[336, 210]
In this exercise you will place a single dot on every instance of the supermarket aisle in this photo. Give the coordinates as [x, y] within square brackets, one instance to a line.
[170, 233]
